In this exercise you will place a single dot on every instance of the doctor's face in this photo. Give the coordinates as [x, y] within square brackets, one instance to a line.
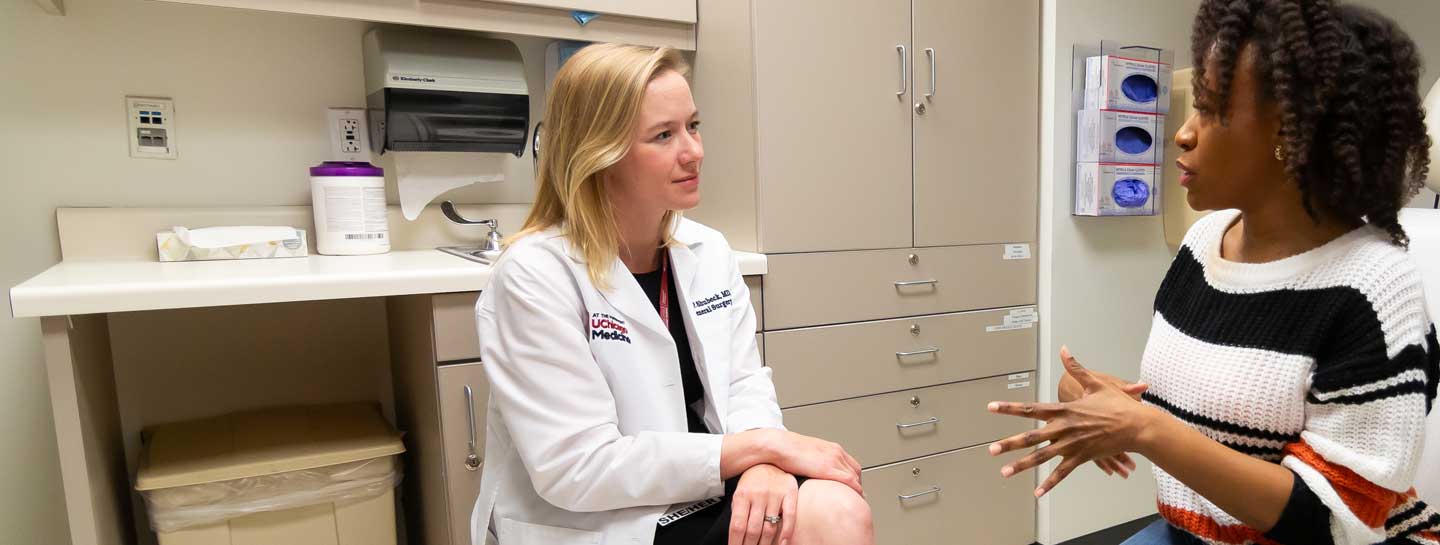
[662, 169]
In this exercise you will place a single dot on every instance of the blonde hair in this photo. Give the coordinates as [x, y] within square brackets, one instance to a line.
[589, 124]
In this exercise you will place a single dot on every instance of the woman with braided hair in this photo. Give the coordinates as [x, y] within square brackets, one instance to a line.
[1291, 363]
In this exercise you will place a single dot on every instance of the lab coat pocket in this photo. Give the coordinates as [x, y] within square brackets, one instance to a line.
[514, 532]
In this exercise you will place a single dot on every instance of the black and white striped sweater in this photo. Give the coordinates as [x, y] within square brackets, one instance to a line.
[1324, 362]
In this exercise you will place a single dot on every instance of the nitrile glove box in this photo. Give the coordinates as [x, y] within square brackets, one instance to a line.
[1120, 83]
[1105, 136]
[1103, 189]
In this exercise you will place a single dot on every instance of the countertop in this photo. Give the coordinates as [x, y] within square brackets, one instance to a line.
[92, 287]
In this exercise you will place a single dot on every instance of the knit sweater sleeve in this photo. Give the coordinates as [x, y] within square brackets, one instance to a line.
[1369, 394]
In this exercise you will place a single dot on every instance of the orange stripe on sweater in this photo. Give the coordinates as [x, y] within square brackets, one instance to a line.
[1208, 528]
[1370, 502]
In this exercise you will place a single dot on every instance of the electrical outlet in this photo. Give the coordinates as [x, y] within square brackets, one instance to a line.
[150, 127]
[348, 138]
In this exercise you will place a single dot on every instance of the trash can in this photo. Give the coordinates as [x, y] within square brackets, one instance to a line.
[317, 475]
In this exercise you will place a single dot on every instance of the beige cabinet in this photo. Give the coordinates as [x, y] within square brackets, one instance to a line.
[976, 105]
[832, 108]
[818, 364]
[951, 498]
[887, 428]
[441, 396]
[894, 123]
[836, 287]
[464, 393]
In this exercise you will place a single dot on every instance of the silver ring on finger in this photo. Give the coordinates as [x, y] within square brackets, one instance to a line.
[772, 519]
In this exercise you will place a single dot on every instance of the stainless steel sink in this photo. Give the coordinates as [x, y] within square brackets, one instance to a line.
[473, 253]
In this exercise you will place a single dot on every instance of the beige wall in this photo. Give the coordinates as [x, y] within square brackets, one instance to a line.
[250, 91]
[1099, 275]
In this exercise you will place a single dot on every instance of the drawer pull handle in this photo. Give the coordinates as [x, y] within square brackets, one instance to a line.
[926, 422]
[930, 350]
[904, 283]
[472, 460]
[932, 490]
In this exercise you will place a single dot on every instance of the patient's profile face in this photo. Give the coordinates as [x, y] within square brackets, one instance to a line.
[1228, 161]
[661, 171]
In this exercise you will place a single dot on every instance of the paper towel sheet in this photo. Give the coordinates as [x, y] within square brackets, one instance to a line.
[423, 175]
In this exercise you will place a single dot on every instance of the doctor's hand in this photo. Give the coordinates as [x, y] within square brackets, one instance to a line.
[764, 491]
[1103, 422]
[816, 458]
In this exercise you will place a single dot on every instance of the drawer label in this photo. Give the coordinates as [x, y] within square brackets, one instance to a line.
[1017, 385]
[1017, 251]
[1020, 318]
[1009, 327]
[1018, 376]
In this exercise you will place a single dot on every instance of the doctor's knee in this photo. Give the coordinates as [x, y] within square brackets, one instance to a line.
[837, 511]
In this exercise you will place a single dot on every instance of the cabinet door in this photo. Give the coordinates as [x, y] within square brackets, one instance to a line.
[977, 141]
[832, 113]
[462, 479]
[666, 10]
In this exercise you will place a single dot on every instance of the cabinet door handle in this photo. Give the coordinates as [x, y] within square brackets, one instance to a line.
[904, 283]
[929, 350]
[904, 71]
[925, 422]
[930, 54]
[932, 490]
[472, 461]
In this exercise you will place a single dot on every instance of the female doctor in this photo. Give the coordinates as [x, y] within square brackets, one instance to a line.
[628, 403]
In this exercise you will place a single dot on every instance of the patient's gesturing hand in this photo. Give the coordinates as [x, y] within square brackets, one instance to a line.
[1119, 464]
[1104, 422]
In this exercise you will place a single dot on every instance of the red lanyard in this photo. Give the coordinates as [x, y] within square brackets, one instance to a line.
[665, 288]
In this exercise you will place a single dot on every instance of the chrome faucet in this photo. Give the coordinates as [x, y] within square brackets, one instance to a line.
[492, 239]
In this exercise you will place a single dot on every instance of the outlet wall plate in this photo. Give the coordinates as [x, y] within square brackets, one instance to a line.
[150, 127]
[349, 136]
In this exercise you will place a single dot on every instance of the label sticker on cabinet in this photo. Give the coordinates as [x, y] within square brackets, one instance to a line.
[1009, 327]
[1017, 385]
[1020, 318]
[1018, 376]
[1017, 251]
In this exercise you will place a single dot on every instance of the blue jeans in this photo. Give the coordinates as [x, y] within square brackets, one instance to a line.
[1161, 533]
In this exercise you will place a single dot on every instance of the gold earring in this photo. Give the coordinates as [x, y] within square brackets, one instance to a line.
[1279, 153]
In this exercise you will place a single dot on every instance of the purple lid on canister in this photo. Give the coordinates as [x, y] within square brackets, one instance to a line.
[346, 168]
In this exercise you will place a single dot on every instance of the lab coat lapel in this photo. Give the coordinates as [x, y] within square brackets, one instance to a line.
[624, 295]
[627, 297]
[715, 375]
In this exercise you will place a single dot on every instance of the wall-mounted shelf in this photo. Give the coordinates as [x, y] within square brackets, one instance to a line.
[652, 22]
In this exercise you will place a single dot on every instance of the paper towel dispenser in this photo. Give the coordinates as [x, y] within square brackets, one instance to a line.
[431, 90]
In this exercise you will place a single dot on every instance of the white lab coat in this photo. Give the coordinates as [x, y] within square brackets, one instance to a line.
[587, 438]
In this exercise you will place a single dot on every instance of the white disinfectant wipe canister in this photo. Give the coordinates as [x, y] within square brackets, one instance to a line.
[349, 203]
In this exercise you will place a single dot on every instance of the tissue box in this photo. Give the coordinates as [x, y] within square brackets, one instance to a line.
[1119, 83]
[213, 243]
[1116, 190]
[1105, 136]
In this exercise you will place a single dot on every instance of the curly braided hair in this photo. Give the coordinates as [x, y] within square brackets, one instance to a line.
[1346, 81]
